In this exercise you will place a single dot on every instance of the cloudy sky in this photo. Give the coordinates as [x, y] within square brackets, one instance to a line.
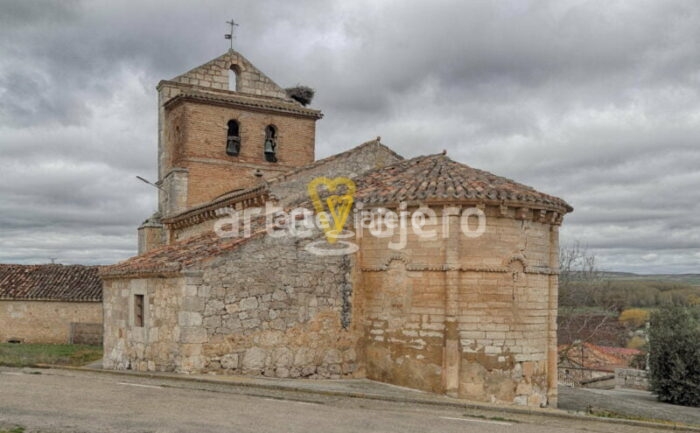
[597, 102]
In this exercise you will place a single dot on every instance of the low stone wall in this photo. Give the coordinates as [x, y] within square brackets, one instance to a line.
[603, 382]
[86, 333]
[577, 376]
[44, 321]
[631, 379]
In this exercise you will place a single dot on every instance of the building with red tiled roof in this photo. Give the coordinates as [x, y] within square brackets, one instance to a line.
[594, 357]
[50, 303]
[424, 272]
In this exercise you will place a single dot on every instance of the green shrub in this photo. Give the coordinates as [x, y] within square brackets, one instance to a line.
[634, 317]
[674, 355]
[636, 342]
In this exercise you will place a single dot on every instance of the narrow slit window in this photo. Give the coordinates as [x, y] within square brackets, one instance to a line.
[138, 311]
[270, 144]
[233, 139]
[233, 78]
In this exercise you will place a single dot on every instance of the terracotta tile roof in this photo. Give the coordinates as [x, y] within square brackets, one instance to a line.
[598, 357]
[171, 259]
[615, 351]
[437, 178]
[50, 283]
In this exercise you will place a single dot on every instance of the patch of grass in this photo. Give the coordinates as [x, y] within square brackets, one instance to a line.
[17, 429]
[31, 355]
[491, 418]
[601, 413]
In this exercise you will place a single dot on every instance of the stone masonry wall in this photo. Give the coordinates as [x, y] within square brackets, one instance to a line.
[215, 75]
[44, 321]
[490, 301]
[404, 331]
[293, 186]
[631, 379]
[272, 308]
[267, 308]
[86, 333]
[150, 236]
[154, 346]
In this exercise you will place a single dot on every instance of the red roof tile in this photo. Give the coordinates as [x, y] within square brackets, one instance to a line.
[598, 357]
[438, 178]
[50, 283]
[617, 351]
[170, 259]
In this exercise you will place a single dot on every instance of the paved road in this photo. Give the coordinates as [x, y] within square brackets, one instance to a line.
[629, 402]
[73, 401]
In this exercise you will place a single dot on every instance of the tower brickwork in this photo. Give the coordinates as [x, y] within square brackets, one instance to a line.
[224, 126]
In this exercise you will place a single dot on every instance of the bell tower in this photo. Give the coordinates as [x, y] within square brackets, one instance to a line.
[224, 126]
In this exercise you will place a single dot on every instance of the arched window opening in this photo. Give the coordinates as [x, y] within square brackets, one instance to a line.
[233, 73]
[270, 144]
[233, 139]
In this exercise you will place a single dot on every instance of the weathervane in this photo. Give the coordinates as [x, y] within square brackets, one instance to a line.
[229, 36]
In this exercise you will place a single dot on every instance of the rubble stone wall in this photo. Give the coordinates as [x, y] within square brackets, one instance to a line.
[267, 308]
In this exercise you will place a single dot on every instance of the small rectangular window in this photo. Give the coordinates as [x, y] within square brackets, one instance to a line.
[138, 310]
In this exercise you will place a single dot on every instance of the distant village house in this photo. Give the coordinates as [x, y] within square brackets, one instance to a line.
[50, 304]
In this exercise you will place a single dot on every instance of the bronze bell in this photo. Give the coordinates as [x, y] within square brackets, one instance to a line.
[233, 145]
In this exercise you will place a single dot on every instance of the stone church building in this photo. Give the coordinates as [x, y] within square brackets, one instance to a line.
[456, 293]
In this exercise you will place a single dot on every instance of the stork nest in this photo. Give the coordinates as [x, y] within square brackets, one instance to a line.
[301, 94]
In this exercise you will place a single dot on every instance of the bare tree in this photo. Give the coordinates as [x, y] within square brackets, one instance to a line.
[585, 313]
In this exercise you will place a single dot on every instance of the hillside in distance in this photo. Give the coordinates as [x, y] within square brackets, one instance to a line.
[690, 279]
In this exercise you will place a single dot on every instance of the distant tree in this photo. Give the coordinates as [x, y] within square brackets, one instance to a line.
[674, 355]
[694, 299]
[634, 317]
[576, 265]
[586, 314]
[637, 342]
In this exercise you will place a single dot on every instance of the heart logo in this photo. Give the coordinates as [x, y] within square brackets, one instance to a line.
[338, 205]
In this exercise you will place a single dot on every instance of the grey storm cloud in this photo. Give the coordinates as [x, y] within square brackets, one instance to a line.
[595, 102]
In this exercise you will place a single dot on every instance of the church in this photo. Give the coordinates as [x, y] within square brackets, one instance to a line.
[263, 260]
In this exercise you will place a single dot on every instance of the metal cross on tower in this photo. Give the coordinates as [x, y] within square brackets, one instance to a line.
[229, 36]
